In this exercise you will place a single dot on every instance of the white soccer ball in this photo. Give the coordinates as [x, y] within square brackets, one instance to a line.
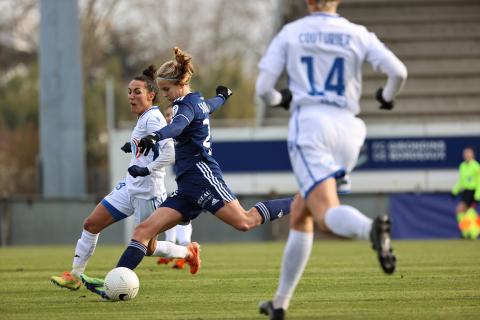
[121, 284]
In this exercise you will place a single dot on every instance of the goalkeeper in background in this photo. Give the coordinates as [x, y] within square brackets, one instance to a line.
[468, 188]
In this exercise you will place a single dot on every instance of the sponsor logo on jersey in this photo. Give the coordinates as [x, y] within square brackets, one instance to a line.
[214, 201]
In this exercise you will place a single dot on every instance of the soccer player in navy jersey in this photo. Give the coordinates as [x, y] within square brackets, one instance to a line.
[198, 175]
[139, 193]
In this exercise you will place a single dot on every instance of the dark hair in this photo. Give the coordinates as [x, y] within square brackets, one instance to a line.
[148, 76]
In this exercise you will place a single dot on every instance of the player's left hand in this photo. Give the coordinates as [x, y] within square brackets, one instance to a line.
[384, 105]
[136, 171]
[147, 143]
[223, 92]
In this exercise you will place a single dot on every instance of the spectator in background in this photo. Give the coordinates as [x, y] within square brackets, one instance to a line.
[468, 188]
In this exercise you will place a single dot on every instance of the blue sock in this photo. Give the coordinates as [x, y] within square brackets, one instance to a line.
[274, 209]
[133, 255]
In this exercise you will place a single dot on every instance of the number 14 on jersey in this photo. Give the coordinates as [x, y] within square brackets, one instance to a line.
[335, 80]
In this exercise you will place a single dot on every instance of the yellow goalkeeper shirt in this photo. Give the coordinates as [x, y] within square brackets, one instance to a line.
[469, 178]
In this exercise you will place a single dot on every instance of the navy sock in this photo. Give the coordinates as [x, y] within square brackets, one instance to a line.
[133, 255]
[274, 209]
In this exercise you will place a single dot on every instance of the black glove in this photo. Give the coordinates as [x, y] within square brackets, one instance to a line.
[147, 143]
[384, 105]
[286, 99]
[127, 147]
[223, 92]
[136, 171]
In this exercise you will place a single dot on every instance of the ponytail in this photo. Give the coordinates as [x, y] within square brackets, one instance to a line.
[179, 70]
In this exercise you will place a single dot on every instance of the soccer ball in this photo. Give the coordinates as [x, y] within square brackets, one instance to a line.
[121, 284]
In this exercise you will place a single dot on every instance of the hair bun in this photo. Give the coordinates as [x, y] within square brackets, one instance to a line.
[150, 71]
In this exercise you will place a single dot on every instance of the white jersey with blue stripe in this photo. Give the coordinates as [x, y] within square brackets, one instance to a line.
[323, 54]
[152, 185]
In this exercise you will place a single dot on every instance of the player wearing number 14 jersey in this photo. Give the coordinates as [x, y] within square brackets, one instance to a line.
[323, 54]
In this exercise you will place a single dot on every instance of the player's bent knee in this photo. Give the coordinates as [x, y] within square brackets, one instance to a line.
[91, 226]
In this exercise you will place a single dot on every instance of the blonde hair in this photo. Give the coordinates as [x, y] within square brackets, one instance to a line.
[179, 70]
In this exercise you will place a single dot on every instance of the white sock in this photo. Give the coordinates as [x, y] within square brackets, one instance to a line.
[346, 221]
[84, 250]
[167, 249]
[295, 258]
[171, 234]
[184, 234]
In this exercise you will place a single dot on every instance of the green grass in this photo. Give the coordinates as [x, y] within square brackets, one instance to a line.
[434, 280]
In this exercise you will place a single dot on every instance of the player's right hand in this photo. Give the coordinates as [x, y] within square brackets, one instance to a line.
[286, 99]
[384, 105]
[127, 147]
[147, 143]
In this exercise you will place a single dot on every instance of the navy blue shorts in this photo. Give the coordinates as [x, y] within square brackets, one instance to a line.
[200, 188]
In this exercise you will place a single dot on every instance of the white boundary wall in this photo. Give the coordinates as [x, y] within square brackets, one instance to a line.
[284, 183]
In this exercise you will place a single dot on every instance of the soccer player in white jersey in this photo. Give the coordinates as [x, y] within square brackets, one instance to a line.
[323, 55]
[139, 193]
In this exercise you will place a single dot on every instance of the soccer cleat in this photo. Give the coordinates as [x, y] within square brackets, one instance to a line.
[162, 260]
[67, 280]
[266, 308]
[193, 258]
[179, 264]
[99, 290]
[97, 282]
[380, 238]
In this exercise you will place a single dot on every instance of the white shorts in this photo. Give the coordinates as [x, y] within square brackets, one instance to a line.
[323, 142]
[121, 205]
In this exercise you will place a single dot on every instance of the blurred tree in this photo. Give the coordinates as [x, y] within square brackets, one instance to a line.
[119, 39]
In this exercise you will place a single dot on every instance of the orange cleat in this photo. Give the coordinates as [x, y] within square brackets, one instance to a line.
[193, 258]
[179, 264]
[164, 260]
[67, 280]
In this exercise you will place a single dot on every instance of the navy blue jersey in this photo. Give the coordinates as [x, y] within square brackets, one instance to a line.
[190, 129]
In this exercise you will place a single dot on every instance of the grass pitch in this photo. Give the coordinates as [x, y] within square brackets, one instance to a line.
[434, 280]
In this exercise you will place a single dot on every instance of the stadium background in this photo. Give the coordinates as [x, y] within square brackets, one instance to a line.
[407, 167]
